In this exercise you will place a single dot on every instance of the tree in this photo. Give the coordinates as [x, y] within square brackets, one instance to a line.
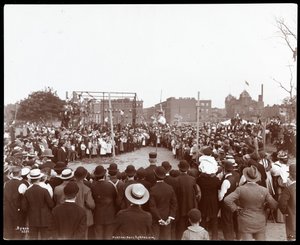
[45, 105]
[286, 33]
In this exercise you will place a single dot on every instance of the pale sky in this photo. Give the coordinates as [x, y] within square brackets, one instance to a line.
[153, 50]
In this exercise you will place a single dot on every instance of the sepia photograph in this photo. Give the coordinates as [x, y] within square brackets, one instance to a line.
[150, 122]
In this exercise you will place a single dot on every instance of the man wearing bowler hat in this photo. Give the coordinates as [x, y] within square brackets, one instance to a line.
[186, 197]
[105, 197]
[12, 204]
[69, 218]
[150, 177]
[84, 196]
[163, 205]
[117, 183]
[134, 223]
[130, 172]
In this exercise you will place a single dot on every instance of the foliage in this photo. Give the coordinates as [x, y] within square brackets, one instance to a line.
[45, 105]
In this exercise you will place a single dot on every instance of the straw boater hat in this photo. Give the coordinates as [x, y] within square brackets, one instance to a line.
[137, 194]
[251, 174]
[67, 174]
[35, 174]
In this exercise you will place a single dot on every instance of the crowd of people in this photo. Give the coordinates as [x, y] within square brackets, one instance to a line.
[215, 186]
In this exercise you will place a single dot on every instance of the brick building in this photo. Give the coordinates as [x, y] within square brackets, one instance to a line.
[245, 106]
[182, 110]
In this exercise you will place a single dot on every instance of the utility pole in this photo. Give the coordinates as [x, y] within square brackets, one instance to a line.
[111, 126]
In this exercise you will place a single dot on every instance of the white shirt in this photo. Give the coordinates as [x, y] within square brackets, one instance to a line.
[280, 169]
[224, 187]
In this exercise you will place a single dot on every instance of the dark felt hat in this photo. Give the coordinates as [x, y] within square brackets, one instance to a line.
[167, 166]
[152, 155]
[99, 171]
[112, 169]
[130, 170]
[141, 173]
[160, 172]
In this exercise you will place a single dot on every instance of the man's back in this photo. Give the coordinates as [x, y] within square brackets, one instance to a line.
[70, 221]
[133, 222]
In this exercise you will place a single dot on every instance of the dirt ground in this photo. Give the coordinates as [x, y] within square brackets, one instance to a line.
[139, 158]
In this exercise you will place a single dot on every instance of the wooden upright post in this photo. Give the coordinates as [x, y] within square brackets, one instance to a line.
[198, 105]
[111, 126]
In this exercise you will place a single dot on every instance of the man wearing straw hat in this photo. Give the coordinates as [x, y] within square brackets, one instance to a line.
[66, 175]
[134, 223]
[38, 204]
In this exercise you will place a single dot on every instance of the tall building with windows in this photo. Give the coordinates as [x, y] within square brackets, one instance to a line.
[181, 110]
[244, 106]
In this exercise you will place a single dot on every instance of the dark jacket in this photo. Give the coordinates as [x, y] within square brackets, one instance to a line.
[186, 196]
[287, 205]
[69, 221]
[132, 223]
[105, 197]
[38, 204]
[150, 177]
[209, 203]
[163, 202]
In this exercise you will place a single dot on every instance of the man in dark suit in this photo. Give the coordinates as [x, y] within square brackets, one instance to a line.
[38, 203]
[12, 205]
[105, 197]
[69, 219]
[172, 181]
[186, 197]
[134, 223]
[150, 177]
[163, 205]
[62, 154]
